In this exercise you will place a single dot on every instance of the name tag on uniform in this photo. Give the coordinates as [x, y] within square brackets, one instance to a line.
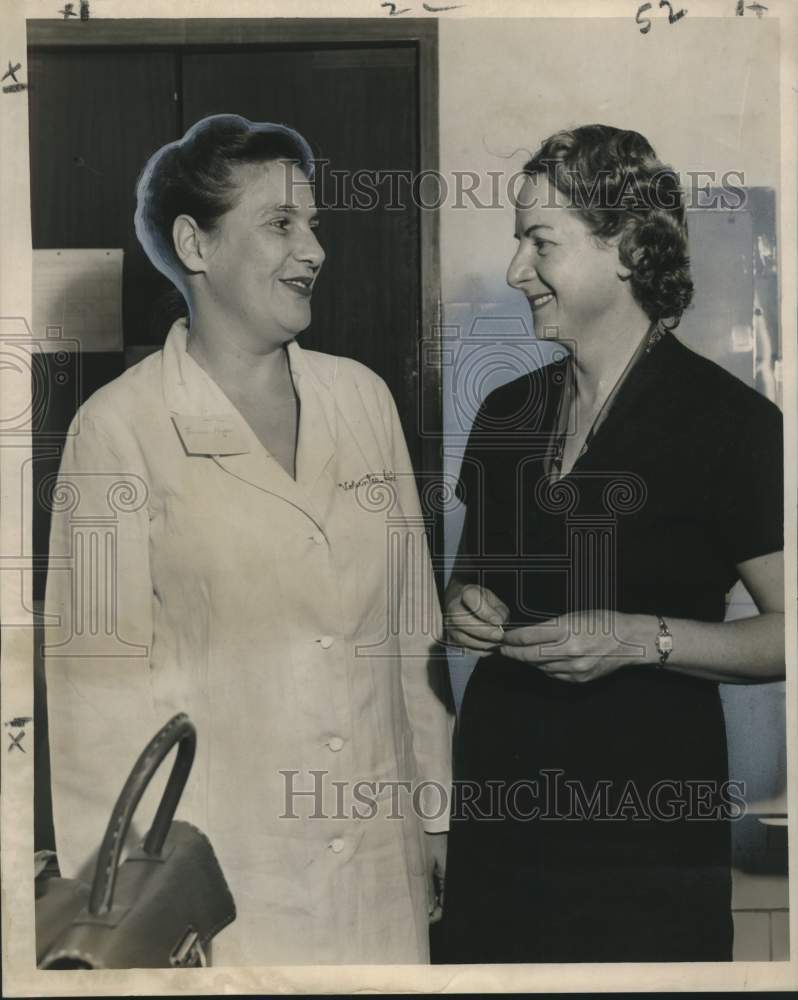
[210, 435]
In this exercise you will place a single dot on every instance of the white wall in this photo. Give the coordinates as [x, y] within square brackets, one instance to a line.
[704, 92]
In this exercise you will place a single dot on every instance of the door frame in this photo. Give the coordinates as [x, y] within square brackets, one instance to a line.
[226, 33]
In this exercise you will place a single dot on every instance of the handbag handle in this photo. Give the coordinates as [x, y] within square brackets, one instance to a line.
[180, 730]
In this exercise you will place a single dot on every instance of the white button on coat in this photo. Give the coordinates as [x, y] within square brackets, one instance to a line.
[219, 607]
[335, 743]
[326, 641]
[337, 845]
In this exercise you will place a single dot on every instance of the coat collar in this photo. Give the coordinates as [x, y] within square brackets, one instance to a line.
[209, 424]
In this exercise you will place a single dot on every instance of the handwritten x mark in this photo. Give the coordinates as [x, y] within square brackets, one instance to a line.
[11, 72]
[16, 741]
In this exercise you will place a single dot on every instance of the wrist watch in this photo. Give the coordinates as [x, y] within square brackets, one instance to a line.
[663, 641]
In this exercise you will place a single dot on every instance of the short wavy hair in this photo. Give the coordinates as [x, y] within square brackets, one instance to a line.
[194, 175]
[620, 188]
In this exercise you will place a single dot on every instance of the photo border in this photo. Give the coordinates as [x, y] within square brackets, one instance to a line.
[16, 810]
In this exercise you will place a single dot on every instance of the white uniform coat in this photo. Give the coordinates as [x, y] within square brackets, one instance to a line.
[293, 622]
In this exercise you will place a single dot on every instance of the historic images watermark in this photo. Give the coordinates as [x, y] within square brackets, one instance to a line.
[553, 796]
[366, 190]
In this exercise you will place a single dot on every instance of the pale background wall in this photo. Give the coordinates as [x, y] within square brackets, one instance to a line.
[706, 94]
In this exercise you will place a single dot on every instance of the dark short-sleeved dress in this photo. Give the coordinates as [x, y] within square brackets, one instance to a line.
[592, 821]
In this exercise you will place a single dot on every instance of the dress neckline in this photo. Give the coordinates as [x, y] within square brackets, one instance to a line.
[636, 364]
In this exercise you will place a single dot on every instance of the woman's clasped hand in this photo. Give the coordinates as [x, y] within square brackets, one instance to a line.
[474, 619]
[577, 647]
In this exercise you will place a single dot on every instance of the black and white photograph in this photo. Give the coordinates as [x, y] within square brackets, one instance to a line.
[399, 497]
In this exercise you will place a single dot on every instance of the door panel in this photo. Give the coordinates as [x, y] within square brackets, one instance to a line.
[95, 119]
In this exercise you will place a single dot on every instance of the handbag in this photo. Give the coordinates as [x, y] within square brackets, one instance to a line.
[162, 906]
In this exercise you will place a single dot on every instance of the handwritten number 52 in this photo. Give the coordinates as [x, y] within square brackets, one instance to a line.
[645, 23]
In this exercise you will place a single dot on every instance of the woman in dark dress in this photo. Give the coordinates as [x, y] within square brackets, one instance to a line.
[613, 499]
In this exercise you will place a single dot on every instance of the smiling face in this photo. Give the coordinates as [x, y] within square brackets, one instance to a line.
[263, 256]
[571, 280]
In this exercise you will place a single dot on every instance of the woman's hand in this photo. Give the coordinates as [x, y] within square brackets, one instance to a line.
[435, 846]
[474, 618]
[582, 646]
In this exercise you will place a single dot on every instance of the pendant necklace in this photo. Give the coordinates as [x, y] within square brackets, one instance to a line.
[653, 335]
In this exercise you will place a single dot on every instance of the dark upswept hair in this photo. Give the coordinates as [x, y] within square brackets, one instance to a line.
[194, 175]
[620, 188]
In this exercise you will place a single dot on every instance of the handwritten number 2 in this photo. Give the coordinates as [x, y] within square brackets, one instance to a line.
[672, 18]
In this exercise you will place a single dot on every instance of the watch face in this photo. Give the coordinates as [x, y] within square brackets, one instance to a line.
[664, 643]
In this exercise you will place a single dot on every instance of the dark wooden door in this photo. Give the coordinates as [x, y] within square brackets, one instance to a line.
[95, 119]
[358, 107]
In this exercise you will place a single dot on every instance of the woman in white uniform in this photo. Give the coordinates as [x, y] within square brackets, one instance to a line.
[236, 534]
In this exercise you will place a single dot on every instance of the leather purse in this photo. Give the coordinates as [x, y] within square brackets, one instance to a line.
[162, 906]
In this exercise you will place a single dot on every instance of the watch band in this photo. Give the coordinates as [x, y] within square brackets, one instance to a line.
[663, 641]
